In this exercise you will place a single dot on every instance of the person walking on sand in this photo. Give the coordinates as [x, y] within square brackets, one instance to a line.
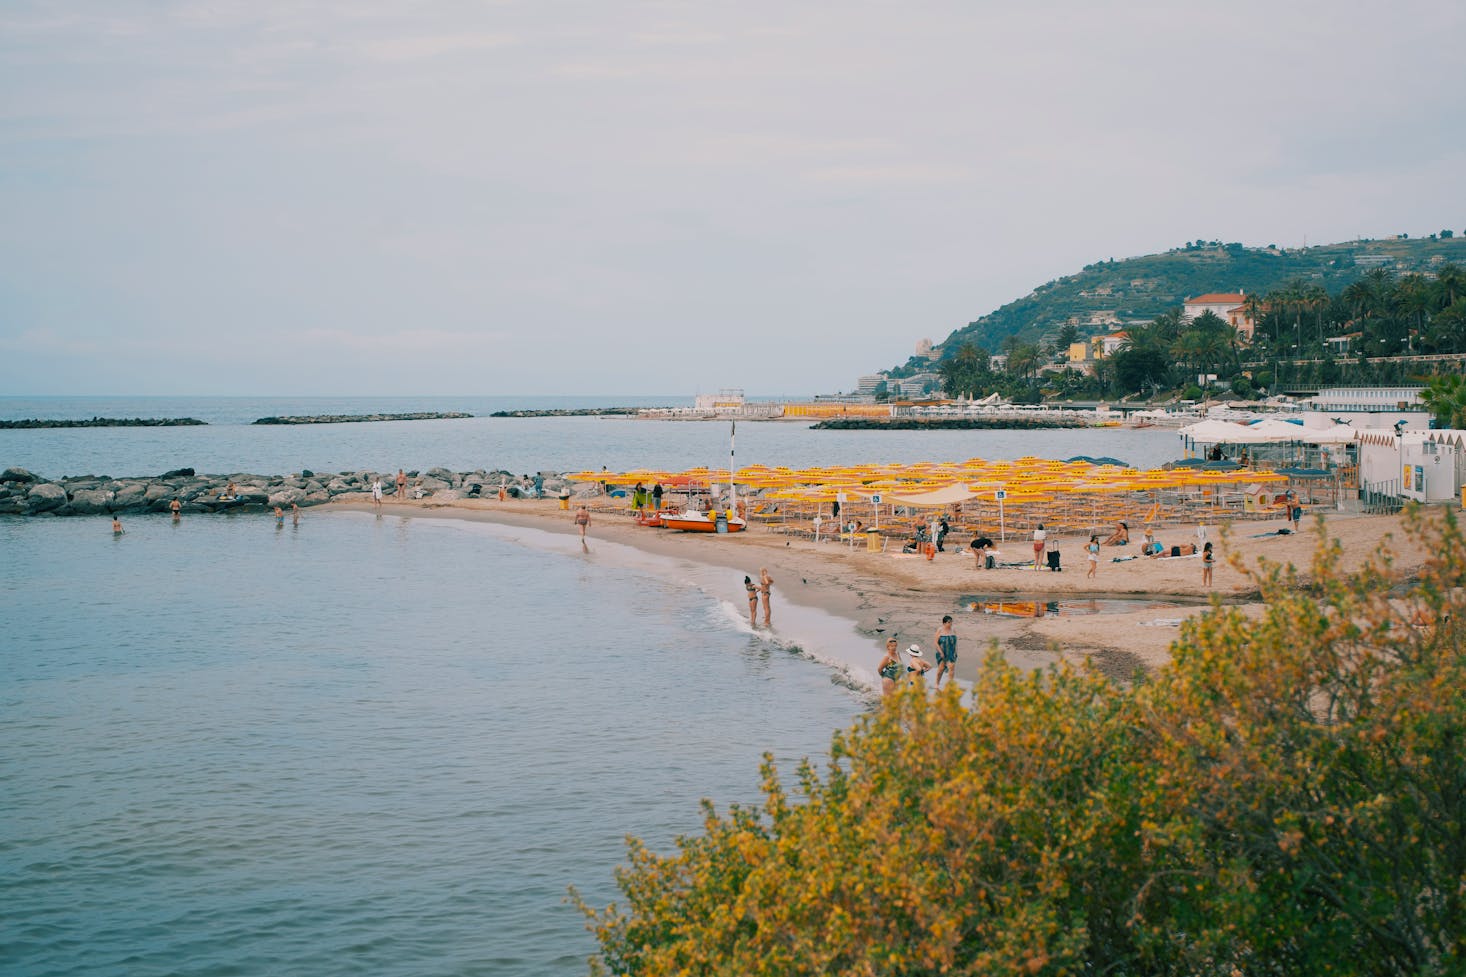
[377, 492]
[890, 668]
[1038, 545]
[1295, 512]
[752, 589]
[946, 650]
[1092, 551]
[765, 586]
[176, 508]
[582, 519]
[1208, 558]
[401, 485]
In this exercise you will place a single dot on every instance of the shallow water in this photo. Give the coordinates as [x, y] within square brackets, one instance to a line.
[360, 745]
[1066, 606]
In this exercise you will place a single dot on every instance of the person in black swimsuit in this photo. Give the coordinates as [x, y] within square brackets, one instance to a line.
[752, 589]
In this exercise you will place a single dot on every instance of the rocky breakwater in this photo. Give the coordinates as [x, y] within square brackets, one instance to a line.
[23, 493]
[46, 422]
[362, 418]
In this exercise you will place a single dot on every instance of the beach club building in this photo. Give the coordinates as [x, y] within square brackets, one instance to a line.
[1421, 466]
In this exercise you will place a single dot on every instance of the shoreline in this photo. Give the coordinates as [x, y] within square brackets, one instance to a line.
[886, 593]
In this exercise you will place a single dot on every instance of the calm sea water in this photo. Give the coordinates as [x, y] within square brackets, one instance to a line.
[232, 444]
[359, 745]
[384, 745]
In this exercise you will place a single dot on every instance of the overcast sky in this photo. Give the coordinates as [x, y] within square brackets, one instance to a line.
[371, 196]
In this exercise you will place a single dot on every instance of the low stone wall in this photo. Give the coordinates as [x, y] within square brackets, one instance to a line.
[24, 493]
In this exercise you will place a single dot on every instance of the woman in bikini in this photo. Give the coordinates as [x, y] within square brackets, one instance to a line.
[752, 589]
[765, 584]
[890, 668]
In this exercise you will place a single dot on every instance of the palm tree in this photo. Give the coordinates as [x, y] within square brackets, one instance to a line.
[1445, 397]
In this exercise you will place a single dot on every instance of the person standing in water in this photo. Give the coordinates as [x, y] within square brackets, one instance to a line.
[765, 586]
[582, 519]
[890, 668]
[279, 516]
[377, 492]
[946, 650]
[916, 665]
[117, 529]
[752, 589]
[294, 514]
[176, 508]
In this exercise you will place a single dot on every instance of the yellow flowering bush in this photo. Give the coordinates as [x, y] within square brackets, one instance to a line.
[1288, 796]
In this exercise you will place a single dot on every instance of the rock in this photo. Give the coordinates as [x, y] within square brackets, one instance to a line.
[179, 473]
[45, 497]
[90, 502]
[285, 496]
[307, 473]
[252, 495]
[447, 495]
[130, 495]
[155, 493]
[433, 485]
[17, 475]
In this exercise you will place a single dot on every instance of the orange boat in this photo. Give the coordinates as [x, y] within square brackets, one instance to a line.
[702, 522]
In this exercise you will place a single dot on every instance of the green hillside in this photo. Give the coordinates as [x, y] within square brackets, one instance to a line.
[1139, 289]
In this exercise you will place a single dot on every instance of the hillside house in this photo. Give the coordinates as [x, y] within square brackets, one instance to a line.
[1230, 307]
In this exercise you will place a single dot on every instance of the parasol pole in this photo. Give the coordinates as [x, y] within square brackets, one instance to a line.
[732, 489]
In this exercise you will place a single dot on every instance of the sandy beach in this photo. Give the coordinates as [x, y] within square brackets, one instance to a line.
[1124, 619]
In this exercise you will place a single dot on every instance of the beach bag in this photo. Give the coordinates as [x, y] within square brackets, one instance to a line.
[1054, 560]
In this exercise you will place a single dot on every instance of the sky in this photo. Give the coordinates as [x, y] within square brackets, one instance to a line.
[358, 197]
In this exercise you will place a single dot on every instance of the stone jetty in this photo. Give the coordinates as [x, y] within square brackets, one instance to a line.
[947, 423]
[362, 418]
[572, 412]
[41, 422]
[23, 493]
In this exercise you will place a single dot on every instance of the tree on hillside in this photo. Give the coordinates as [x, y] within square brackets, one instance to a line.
[1287, 796]
[966, 373]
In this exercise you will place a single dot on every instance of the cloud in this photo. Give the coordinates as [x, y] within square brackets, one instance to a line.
[886, 174]
[48, 341]
[427, 47]
[406, 341]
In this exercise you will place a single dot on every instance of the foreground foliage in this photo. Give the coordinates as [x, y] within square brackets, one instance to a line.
[1288, 796]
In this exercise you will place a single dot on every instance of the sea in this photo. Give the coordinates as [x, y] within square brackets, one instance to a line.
[386, 744]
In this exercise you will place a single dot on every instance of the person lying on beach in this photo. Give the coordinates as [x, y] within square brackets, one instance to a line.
[1120, 537]
[1164, 553]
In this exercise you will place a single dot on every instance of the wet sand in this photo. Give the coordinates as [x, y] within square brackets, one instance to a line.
[890, 593]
